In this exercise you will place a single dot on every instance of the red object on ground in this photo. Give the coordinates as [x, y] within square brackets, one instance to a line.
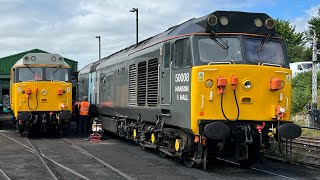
[95, 137]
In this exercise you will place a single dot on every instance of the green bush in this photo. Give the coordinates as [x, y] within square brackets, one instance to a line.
[302, 91]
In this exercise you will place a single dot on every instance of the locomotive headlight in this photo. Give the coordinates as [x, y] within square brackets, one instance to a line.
[224, 21]
[33, 58]
[62, 106]
[212, 20]
[247, 85]
[26, 58]
[53, 58]
[60, 58]
[209, 83]
[270, 23]
[258, 22]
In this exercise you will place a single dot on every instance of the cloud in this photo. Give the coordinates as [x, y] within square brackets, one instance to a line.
[301, 23]
[69, 27]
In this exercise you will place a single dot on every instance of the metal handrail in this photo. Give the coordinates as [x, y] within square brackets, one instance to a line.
[170, 82]
[219, 63]
[270, 64]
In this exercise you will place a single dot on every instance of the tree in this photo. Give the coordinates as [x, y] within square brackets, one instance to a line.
[295, 41]
[314, 25]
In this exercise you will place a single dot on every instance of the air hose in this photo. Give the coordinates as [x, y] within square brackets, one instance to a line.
[29, 103]
[235, 97]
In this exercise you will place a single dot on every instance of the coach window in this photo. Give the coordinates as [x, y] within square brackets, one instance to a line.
[166, 57]
[182, 53]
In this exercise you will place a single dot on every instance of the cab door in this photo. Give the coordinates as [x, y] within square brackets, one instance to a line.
[92, 77]
[166, 76]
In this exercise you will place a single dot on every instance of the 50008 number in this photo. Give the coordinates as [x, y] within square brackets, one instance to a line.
[182, 77]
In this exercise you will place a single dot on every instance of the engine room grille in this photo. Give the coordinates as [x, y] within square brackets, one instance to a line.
[142, 83]
[153, 82]
[132, 97]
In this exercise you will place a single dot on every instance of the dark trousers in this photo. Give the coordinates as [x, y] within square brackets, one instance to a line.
[83, 126]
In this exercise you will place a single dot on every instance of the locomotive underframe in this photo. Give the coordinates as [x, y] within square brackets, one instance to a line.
[243, 142]
[42, 121]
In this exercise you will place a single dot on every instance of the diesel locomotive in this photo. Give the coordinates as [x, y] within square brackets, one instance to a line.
[212, 86]
[41, 93]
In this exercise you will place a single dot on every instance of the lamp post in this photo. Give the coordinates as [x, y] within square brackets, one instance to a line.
[136, 10]
[314, 111]
[99, 37]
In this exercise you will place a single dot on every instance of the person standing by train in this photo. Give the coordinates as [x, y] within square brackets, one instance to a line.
[84, 114]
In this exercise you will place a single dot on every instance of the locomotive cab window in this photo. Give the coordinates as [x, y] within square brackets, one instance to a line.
[262, 51]
[182, 53]
[29, 74]
[222, 49]
[57, 74]
[42, 74]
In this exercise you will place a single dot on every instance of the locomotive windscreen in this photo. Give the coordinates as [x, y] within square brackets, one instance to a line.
[42, 74]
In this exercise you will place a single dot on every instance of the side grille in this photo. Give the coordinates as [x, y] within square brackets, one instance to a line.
[153, 82]
[142, 83]
[132, 98]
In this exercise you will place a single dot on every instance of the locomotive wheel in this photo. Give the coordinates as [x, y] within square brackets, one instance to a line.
[205, 161]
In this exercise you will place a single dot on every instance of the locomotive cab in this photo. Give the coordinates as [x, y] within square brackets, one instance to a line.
[41, 92]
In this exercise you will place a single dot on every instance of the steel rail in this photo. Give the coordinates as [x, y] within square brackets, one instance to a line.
[42, 160]
[5, 174]
[99, 160]
[49, 159]
[257, 169]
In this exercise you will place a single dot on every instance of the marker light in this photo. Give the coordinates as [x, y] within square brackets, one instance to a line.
[61, 58]
[53, 58]
[270, 23]
[247, 85]
[258, 22]
[212, 20]
[209, 83]
[224, 21]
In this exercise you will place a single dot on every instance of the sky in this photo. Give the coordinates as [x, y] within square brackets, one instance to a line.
[70, 27]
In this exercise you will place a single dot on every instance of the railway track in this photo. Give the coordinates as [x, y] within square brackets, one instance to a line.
[258, 169]
[41, 156]
[99, 160]
[55, 175]
[4, 174]
[305, 151]
[71, 145]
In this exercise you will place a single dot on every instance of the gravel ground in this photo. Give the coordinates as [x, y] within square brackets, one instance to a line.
[126, 157]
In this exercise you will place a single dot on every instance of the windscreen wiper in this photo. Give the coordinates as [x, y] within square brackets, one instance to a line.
[263, 43]
[54, 72]
[219, 41]
[30, 70]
